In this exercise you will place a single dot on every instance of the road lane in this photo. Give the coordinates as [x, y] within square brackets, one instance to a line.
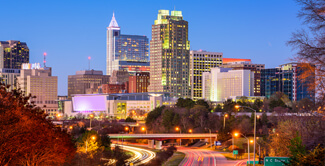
[141, 156]
[203, 157]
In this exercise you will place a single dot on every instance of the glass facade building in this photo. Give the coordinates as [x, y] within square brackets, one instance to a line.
[285, 79]
[13, 54]
[126, 52]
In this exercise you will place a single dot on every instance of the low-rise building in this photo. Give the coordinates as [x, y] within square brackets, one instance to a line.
[120, 106]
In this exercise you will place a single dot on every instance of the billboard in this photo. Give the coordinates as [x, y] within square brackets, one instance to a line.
[89, 103]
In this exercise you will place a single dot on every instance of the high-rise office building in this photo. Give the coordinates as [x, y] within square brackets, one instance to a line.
[285, 78]
[13, 54]
[240, 64]
[126, 52]
[86, 82]
[225, 83]
[139, 83]
[201, 61]
[39, 82]
[169, 55]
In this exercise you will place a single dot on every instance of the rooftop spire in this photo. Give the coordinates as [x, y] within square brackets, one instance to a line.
[113, 22]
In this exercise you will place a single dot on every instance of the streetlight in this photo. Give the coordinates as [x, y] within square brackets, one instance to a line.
[238, 106]
[126, 129]
[190, 130]
[210, 136]
[91, 116]
[259, 148]
[180, 131]
[236, 134]
[233, 141]
[93, 137]
[71, 127]
[144, 129]
[224, 120]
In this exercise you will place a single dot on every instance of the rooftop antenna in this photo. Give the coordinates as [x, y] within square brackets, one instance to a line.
[44, 61]
[89, 58]
[174, 7]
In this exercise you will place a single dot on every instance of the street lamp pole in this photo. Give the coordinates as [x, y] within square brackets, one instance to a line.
[254, 128]
[224, 121]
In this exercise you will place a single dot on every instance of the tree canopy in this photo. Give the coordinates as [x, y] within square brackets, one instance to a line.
[26, 136]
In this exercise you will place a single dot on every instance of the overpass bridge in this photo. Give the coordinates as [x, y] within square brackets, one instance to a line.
[158, 138]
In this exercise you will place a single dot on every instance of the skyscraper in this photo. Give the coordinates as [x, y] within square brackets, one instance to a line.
[13, 54]
[169, 55]
[201, 61]
[126, 52]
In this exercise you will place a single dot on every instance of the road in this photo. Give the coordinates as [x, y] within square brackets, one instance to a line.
[141, 156]
[204, 157]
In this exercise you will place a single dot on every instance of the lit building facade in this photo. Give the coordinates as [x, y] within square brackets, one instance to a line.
[120, 106]
[226, 82]
[9, 77]
[39, 82]
[169, 55]
[86, 82]
[13, 54]
[201, 61]
[240, 64]
[126, 52]
[285, 78]
[119, 77]
[139, 83]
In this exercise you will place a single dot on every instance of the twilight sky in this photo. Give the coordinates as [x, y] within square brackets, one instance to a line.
[70, 31]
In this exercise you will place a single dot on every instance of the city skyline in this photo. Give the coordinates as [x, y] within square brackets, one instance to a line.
[70, 36]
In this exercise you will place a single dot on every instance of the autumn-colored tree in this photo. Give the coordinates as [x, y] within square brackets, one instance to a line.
[89, 143]
[26, 136]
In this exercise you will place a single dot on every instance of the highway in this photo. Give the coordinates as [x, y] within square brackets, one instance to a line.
[141, 156]
[203, 157]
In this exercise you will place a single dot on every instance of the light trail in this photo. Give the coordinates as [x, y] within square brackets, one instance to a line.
[141, 156]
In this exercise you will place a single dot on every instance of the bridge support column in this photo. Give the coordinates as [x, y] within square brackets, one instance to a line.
[158, 144]
[151, 143]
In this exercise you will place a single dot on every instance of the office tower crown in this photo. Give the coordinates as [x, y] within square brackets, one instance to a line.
[113, 23]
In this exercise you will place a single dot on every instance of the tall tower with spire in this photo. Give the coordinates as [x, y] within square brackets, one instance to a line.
[113, 31]
[126, 52]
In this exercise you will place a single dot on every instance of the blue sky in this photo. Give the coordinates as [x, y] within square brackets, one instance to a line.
[70, 31]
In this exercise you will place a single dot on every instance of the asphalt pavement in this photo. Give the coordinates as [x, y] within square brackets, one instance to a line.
[204, 157]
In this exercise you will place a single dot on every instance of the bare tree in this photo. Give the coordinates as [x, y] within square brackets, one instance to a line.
[310, 46]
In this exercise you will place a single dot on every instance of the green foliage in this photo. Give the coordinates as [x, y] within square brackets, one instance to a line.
[314, 157]
[153, 115]
[129, 119]
[296, 147]
[170, 119]
[185, 103]
[300, 157]
[203, 103]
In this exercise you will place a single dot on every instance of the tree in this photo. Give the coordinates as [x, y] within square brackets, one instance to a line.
[26, 136]
[300, 157]
[203, 103]
[129, 119]
[185, 103]
[89, 143]
[310, 46]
